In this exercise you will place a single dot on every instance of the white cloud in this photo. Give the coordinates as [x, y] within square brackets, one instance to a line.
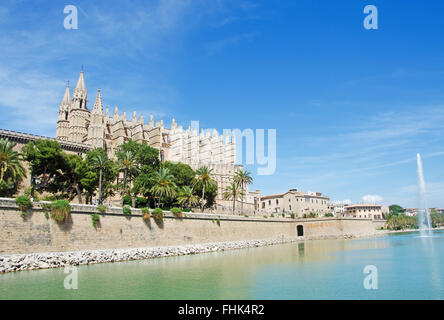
[372, 198]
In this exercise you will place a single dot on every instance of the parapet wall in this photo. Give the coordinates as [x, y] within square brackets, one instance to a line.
[36, 233]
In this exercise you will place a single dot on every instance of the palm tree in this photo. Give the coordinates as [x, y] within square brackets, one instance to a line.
[164, 185]
[203, 175]
[10, 166]
[127, 164]
[187, 197]
[243, 179]
[100, 162]
[233, 191]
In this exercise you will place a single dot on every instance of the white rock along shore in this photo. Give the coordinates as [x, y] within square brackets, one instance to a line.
[46, 260]
[31, 261]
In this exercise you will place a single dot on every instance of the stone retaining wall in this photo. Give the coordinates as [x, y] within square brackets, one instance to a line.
[36, 233]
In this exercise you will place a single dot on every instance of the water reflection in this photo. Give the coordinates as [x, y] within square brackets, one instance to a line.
[317, 269]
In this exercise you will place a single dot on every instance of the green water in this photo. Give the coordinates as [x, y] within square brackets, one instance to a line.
[409, 267]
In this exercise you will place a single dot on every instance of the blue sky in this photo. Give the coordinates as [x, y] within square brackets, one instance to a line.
[351, 107]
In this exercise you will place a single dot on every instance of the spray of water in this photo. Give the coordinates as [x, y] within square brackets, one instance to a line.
[424, 222]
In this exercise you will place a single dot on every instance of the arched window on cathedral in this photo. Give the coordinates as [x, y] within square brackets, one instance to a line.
[66, 115]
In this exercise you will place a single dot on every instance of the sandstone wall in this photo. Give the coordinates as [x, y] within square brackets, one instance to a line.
[36, 233]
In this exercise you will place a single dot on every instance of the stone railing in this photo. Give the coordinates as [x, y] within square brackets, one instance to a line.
[117, 211]
[24, 138]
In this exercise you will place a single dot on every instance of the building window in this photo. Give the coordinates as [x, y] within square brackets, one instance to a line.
[277, 201]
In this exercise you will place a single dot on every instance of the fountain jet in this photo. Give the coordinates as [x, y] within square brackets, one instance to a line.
[424, 222]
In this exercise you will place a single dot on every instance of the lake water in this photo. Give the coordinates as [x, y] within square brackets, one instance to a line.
[408, 267]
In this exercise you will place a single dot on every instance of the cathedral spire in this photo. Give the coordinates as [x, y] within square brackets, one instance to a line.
[98, 106]
[62, 131]
[66, 98]
[79, 99]
[116, 114]
[81, 82]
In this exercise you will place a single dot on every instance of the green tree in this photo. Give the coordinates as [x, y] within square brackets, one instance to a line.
[187, 197]
[99, 161]
[128, 165]
[145, 161]
[74, 169]
[233, 191]
[91, 181]
[45, 160]
[243, 179]
[145, 181]
[144, 155]
[395, 209]
[204, 178]
[12, 171]
[164, 185]
[182, 173]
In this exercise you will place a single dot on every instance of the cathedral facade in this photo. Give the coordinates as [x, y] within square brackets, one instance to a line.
[99, 129]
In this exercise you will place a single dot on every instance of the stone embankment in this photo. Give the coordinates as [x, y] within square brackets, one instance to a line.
[20, 262]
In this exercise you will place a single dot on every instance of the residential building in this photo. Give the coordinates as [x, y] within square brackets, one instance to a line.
[297, 202]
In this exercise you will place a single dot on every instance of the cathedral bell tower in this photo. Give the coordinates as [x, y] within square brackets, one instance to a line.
[96, 129]
[62, 132]
[79, 114]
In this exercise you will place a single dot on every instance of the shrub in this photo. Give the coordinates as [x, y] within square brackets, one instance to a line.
[50, 197]
[101, 208]
[141, 202]
[35, 194]
[292, 215]
[186, 210]
[126, 210]
[218, 222]
[158, 215]
[46, 207]
[283, 215]
[127, 200]
[177, 212]
[329, 214]
[60, 210]
[246, 215]
[95, 220]
[272, 215]
[24, 204]
[265, 217]
[146, 214]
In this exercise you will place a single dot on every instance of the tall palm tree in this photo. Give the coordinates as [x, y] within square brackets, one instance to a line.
[127, 164]
[10, 166]
[243, 179]
[187, 197]
[204, 176]
[100, 162]
[164, 185]
[233, 191]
